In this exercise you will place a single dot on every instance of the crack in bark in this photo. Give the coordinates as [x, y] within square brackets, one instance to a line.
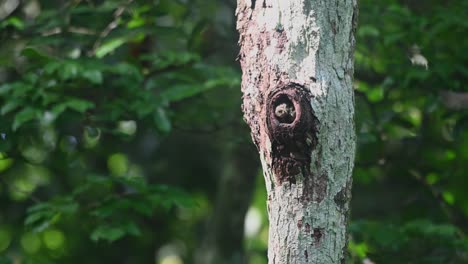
[340, 198]
[317, 236]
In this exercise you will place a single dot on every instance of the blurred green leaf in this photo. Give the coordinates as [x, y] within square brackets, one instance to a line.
[114, 232]
[368, 30]
[360, 249]
[109, 46]
[23, 116]
[94, 76]
[448, 197]
[107, 233]
[10, 106]
[162, 121]
[35, 55]
[69, 70]
[79, 105]
[5, 260]
[14, 21]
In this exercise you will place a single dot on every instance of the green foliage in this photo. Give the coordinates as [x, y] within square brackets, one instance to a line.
[42, 215]
[410, 143]
[82, 83]
[416, 241]
[5, 260]
[114, 115]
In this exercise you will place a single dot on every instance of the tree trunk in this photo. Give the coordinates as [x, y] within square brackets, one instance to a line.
[224, 235]
[297, 63]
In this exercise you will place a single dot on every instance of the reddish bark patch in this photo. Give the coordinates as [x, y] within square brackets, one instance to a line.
[315, 188]
[292, 134]
[320, 188]
[317, 236]
[281, 39]
[292, 138]
[255, 40]
[299, 223]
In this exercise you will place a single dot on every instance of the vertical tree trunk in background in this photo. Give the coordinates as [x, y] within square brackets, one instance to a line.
[224, 235]
[297, 63]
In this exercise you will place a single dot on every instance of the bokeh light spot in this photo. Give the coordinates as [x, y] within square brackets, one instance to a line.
[118, 164]
[53, 239]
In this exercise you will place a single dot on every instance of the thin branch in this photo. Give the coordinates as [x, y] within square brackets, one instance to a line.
[52, 31]
[81, 30]
[454, 100]
[111, 26]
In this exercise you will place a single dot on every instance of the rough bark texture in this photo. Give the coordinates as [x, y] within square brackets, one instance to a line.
[297, 63]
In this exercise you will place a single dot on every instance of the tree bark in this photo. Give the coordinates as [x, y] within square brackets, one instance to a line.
[297, 63]
[454, 100]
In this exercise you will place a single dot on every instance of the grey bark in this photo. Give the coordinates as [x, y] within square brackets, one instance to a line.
[297, 63]
[454, 100]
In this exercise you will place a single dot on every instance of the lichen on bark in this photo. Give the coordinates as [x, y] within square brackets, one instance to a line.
[301, 51]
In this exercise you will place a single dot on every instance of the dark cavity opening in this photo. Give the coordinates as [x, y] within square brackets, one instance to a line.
[284, 109]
